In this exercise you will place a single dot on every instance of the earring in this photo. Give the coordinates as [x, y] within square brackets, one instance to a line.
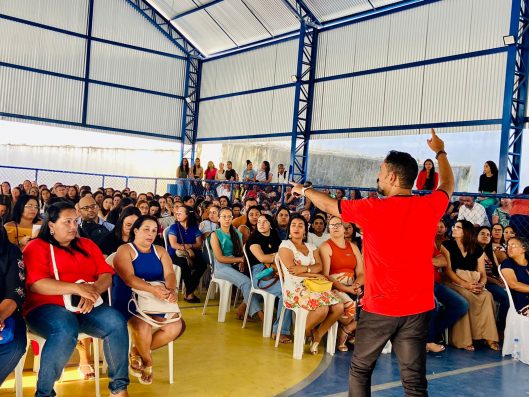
[52, 232]
[289, 236]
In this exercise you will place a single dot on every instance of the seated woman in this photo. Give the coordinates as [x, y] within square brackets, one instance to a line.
[300, 260]
[11, 299]
[317, 232]
[25, 214]
[121, 233]
[250, 226]
[516, 274]
[282, 219]
[76, 259]
[137, 263]
[498, 243]
[228, 258]
[494, 283]
[502, 214]
[466, 270]
[344, 266]
[261, 248]
[211, 224]
[185, 250]
[105, 207]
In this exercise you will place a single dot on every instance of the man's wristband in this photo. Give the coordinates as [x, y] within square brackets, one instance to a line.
[439, 153]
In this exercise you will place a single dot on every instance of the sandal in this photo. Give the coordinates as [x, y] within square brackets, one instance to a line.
[286, 339]
[135, 365]
[86, 371]
[435, 348]
[469, 348]
[146, 376]
[342, 342]
[493, 345]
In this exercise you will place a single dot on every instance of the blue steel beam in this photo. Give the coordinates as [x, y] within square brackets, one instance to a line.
[301, 11]
[515, 99]
[87, 59]
[199, 8]
[165, 27]
[190, 108]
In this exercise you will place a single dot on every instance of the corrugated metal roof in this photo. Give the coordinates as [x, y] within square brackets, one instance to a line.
[214, 26]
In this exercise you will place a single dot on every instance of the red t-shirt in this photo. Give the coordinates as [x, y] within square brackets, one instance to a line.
[436, 275]
[71, 266]
[399, 232]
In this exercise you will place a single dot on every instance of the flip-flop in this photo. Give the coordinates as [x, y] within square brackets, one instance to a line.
[146, 376]
[135, 365]
[86, 371]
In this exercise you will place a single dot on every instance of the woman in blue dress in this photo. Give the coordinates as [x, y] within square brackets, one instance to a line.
[136, 263]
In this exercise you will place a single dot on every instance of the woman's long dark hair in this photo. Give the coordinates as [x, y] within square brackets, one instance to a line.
[53, 213]
[191, 218]
[18, 209]
[118, 230]
[104, 211]
[195, 166]
[489, 251]
[493, 167]
[430, 177]
[267, 168]
[248, 224]
[275, 240]
[235, 240]
[186, 167]
[137, 224]
[502, 239]
[469, 236]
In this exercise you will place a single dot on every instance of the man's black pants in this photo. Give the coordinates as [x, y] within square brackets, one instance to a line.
[408, 336]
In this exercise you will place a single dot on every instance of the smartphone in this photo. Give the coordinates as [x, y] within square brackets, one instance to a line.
[76, 299]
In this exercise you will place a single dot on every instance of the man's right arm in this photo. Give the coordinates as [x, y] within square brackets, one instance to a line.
[446, 176]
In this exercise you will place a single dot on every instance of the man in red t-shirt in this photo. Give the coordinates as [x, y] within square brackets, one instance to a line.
[399, 233]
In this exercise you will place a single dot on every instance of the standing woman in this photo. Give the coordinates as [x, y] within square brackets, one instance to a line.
[137, 263]
[488, 183]
[221, 173]
[198, 171]
[251, 223]
[228, 261]
[45, 312]
[466, 270]
[210, 172]
[248, 174]
[182, 173]
[11, 298]
[185, 250]
[344, 266]
[299, 261]
[25, 214]
[427, 179]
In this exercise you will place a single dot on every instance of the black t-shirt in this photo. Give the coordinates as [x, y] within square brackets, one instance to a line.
[269, 244]
[521, 299]
[488, 184]
[458, 261]
[231, 174]
[110, 243]
[12, 274]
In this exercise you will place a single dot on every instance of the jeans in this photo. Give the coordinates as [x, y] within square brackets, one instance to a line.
[455, 307]
[61, 327]
[242, 281]
[500, 295]
[408, 336]
[191, 274]
[12, 352]
[275, 290]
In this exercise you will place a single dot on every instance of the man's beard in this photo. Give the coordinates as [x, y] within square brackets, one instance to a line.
[379, 189]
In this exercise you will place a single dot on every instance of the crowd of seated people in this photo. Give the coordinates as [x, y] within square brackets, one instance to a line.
[82, 224]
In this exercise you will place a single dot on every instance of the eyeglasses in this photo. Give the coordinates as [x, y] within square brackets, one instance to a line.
[31, 207]
[335, 225]
[89, 207]
[513, 246]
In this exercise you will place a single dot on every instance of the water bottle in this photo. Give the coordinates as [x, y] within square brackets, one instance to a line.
[516, 350]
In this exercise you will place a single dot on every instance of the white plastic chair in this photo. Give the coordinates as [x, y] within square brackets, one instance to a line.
[176, 268]
[269, 300]
[36, 363]
[516, 326]
[300, 322]
[224, 286]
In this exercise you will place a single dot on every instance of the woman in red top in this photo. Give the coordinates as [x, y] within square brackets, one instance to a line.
[56, 262]
[343, 265]
[427, 179]
[210, 172]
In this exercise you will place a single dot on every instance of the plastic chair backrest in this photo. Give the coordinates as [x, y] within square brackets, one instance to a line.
[277, 261]
[166, 237]
[248, 263]
[210, 251]
[511, 302]
[110, 260]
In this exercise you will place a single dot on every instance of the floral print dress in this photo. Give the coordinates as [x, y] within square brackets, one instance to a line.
[296, 293]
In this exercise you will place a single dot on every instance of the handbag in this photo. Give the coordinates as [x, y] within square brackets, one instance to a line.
[8, 333]
[147, 304]
[267, 274]
[184, 253]
[317, 284]
[71, 301]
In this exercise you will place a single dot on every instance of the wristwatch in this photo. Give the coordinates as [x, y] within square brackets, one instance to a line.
[308, 269]
[439, 153]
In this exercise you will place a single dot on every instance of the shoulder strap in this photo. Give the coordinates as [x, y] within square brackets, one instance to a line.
[55, 271]
[156, 252]
[134, 249]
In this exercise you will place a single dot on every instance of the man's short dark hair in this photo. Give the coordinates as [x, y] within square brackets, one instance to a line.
[404, 165]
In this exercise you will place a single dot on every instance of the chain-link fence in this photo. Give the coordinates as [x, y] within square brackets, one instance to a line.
[480, 209]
